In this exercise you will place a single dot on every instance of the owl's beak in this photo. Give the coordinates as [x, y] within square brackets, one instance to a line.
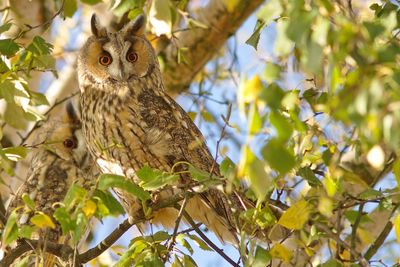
[120, 75]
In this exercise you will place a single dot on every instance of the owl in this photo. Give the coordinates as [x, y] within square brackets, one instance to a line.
[129, 122]
[59, 159]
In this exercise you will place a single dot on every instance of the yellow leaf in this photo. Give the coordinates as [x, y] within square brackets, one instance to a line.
[296, 216]
[397, 227]
[281, 252]
[90, 208]
[231, 5]
[41, 220]
[251, 89]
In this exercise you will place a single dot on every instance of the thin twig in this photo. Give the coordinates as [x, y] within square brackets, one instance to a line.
[177, 223]
[354, 228]
[207, 240]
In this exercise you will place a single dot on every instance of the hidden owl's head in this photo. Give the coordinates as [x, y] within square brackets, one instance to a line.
[116, 57]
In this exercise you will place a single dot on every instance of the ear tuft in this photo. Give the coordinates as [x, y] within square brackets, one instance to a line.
[136, 27]
[97, 29]
[71, 115]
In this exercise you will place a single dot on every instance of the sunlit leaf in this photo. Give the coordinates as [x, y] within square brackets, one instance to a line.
[42, 220]
[89, 208]
[261, 257]
[281, 252]
[160, 17]
[397, 227]
[10, 232]
[116, 181]
[296, 216]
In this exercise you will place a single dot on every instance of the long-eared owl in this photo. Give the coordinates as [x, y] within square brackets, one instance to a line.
[129, 121]
[59, 159]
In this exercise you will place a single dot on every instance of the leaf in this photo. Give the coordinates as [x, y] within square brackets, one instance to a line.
[91, 2]
[281, 252]
[14, 116]
[278, 156]
[10, 232]
[42, 220]
[271, 10]
[39, 46]
[180, 238]
[255, 121]
[64, 219]
[309, 176]
[80, 227]
[70, 7]
[200, 175]
[8, 47]
[255, 36]
[75, 194]
[250, 89]
[283, 127]
[230, 5]
[272, 72]
[296, 216]
[261, 258]
[116, 181]
[189, 262]
[25, 231]
[15, 153]
[28, 201]
[203, 245]
[397, 227]
[38, 99]
[228, 168]
[89, 208]
[283, 45]
[154, 179]
[107, 204]
[5, 27]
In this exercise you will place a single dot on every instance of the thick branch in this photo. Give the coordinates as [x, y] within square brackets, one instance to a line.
[203, 44]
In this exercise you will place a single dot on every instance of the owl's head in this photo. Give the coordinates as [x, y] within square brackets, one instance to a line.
[116, 57]
[64, 139]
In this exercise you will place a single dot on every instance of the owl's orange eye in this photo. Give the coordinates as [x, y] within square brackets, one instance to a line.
[132, 57]
[70, 143]
[105, 60]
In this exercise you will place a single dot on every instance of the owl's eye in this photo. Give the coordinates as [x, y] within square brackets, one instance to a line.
[132, 57]
[105, 59]
[70, 143]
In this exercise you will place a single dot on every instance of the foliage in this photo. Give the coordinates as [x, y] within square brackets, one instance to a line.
[324, 151]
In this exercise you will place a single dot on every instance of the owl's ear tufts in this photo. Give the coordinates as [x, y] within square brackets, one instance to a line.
[97, 29]
[136, 27]
[71, 115]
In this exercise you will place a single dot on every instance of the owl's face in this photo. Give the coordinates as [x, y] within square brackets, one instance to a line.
[65, 140]
[116, 57]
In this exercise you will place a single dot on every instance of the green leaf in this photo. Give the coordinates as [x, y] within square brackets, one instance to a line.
[261, 258]
[80, 227]
[107, 181]
[39, 46]
[352, 216]
[64, 219]
[25, 231]
[203, 245]
[91, 2]
[38, 99]
[160, 16]
[107, 204]
[309, 176]
[28, 201]
[127, 5]
[153, 179]
[15, 116]
[228, 168]
[199, 175]
[273, 96]
[272, 72]
[255, 121]
[255, 36]
[180, 238]
[5, 27]
[270, 11]
[332, 263]
[296, 216]
[278, 156]
[283, 127]
[10, 232]
[75, 194]
[8, 47]
[15, 153]
[70, 7]
[189, 262]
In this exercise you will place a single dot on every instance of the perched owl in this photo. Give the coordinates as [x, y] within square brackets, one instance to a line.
[59, 159]
[129, 121]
